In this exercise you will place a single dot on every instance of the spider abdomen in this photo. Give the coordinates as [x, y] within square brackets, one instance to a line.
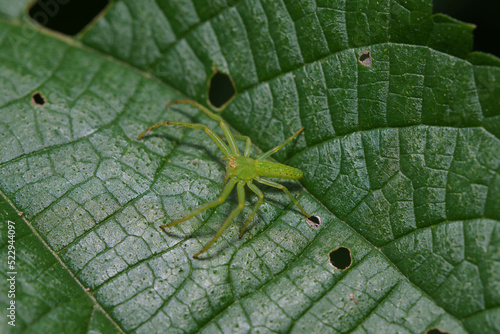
[274, 169]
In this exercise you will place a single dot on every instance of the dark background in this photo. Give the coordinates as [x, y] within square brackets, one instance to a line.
[483, 13]
[71, 17]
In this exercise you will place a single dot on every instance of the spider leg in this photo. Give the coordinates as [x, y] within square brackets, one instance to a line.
[282, 187]
[223, 124]
[280, 146]
[234, 213]
[223, 147]
[259, 193]
[225, 193]
[248, 145]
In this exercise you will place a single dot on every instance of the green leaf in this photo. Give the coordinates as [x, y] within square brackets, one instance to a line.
[400, 154]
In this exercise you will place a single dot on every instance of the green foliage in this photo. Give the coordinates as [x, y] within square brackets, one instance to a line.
[401, 159]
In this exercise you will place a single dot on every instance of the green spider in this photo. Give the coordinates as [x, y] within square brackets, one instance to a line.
[241, 170]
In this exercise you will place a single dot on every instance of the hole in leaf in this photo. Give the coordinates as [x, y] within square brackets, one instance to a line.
[314, 222]
[38, 99]
[66, 16]
[365, 58]
[221, 90]
[340, 258]
[436, 330]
